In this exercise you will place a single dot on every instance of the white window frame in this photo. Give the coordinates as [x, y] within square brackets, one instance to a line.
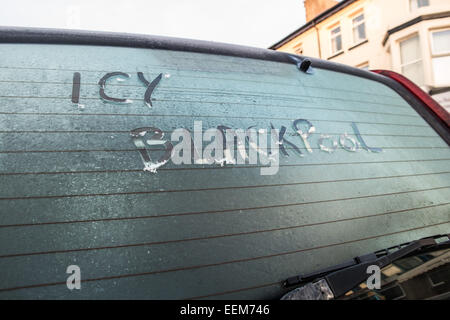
[413, 61]
[410, 62]
[364, 66]
[333, 36]
[435, 54]
[416, 7]
[298, 48]
[354, 26]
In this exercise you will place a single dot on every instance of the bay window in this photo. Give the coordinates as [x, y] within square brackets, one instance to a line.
[440, 50]
[411, 60]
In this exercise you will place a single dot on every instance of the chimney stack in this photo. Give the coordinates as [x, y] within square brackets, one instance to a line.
[315, 7]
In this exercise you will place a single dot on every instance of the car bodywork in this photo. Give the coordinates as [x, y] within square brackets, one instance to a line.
[73, 189]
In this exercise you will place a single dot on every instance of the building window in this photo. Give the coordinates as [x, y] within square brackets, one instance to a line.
[416, 4]
[298, 49]
[363, 66]
[411, 60]
[440, 50]
[441, 42]
[336, 40]
[359, 29]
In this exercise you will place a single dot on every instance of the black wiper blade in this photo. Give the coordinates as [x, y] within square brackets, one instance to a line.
[344, 277]
[304, 278]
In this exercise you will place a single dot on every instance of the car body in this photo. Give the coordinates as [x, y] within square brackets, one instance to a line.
[74, 189]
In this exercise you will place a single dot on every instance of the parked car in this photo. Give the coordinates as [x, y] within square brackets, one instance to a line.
[88, 189]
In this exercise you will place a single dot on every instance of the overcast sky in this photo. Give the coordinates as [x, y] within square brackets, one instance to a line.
[258, 23]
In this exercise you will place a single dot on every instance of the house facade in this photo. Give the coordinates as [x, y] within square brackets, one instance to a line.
[411, 37]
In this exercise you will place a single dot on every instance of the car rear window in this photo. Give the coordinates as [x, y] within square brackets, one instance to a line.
[73, 189]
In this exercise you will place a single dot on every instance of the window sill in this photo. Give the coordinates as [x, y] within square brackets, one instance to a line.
[358, 44]
[335, 55]
[440, 55]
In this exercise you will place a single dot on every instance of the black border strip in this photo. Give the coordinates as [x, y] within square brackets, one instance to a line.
[76, 37]
[358, 44]
[336, 55]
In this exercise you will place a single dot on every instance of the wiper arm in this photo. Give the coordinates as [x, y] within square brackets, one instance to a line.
[335, 281]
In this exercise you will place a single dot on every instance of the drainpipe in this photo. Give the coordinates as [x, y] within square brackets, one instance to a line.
[318, 38]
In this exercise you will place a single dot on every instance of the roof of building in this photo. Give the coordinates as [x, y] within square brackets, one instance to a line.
[310, 24]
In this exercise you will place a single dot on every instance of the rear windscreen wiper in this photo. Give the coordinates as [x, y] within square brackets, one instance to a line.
[334, 282]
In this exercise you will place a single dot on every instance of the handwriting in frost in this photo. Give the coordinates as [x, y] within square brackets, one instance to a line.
[150, 87]
[251, 144]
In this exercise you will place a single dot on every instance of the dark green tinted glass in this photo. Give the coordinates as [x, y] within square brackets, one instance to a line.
[73, 190]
